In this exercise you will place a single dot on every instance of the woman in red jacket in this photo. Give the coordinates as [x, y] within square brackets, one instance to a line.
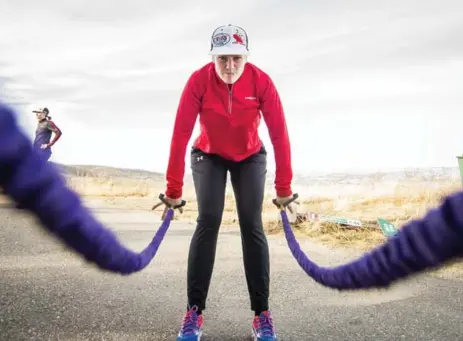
[229, 94]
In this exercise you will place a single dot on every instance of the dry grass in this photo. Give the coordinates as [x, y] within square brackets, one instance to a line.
[405, 201]
[397, 203]
[408, 201]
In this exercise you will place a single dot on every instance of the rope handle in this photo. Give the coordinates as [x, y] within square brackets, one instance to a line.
[282, 206]
[163, 200]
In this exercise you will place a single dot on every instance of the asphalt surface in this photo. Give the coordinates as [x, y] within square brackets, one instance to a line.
[48, 293]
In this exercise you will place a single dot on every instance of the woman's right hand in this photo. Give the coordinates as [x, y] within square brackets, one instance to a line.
[170, 203]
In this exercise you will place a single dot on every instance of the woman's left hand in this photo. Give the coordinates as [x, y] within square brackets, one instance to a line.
[291, 206]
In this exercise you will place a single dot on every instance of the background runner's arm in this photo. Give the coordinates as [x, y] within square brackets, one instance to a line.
[187, 112]
[273, 113]
[57, 132]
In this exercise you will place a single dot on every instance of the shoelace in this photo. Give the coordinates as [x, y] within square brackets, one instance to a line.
[190, 322]
[266, 325]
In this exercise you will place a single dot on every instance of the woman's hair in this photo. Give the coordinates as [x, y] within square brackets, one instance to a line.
[48, 117]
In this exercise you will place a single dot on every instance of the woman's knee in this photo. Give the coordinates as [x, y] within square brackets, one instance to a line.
[209, 220]
[251, 222]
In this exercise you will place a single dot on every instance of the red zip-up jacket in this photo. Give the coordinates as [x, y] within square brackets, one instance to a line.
[229, 117]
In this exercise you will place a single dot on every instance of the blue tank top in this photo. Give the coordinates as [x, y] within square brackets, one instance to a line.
[42, 134]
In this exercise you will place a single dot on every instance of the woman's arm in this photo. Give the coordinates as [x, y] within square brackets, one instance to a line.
[273, 113]
[56, 131]
[187, 113]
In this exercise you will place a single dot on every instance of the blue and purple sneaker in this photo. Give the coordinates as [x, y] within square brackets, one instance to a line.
[262, 327]
[191, 328]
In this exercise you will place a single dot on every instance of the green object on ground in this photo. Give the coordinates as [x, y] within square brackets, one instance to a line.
[388, 229]
[460, 165]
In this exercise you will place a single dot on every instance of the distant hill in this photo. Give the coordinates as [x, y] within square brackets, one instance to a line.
[105, 171]
[320, 178]
[409, 174]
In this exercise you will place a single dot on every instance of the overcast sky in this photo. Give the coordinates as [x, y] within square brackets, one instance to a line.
[111, 74]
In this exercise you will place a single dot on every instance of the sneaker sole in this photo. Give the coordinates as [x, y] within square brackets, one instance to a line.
[254, 336]
[192, 339]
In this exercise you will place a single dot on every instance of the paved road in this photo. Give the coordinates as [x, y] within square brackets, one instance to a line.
[46, 293]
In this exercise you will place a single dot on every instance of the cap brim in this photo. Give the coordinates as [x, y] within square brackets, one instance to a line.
[229, 51]
[37, 111]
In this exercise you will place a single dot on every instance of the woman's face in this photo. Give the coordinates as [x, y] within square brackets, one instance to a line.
[229, 68]
[40, 116]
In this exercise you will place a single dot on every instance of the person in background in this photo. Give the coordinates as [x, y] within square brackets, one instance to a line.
[37, 186]
[230, 95]
[45, 128]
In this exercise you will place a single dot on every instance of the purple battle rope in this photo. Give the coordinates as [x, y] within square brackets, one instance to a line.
[37, 186]
[419, 245]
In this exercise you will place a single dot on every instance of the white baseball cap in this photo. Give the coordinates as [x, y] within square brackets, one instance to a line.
[229, 40]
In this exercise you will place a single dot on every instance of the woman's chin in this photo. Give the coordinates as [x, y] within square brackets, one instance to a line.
[229, 79]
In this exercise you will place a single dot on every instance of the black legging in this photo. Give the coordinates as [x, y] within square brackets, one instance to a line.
[248, 180]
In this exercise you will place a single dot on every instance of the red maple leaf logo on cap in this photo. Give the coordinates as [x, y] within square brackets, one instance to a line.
[238, 38]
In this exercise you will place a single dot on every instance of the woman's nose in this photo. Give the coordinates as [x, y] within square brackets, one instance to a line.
[230, 62]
